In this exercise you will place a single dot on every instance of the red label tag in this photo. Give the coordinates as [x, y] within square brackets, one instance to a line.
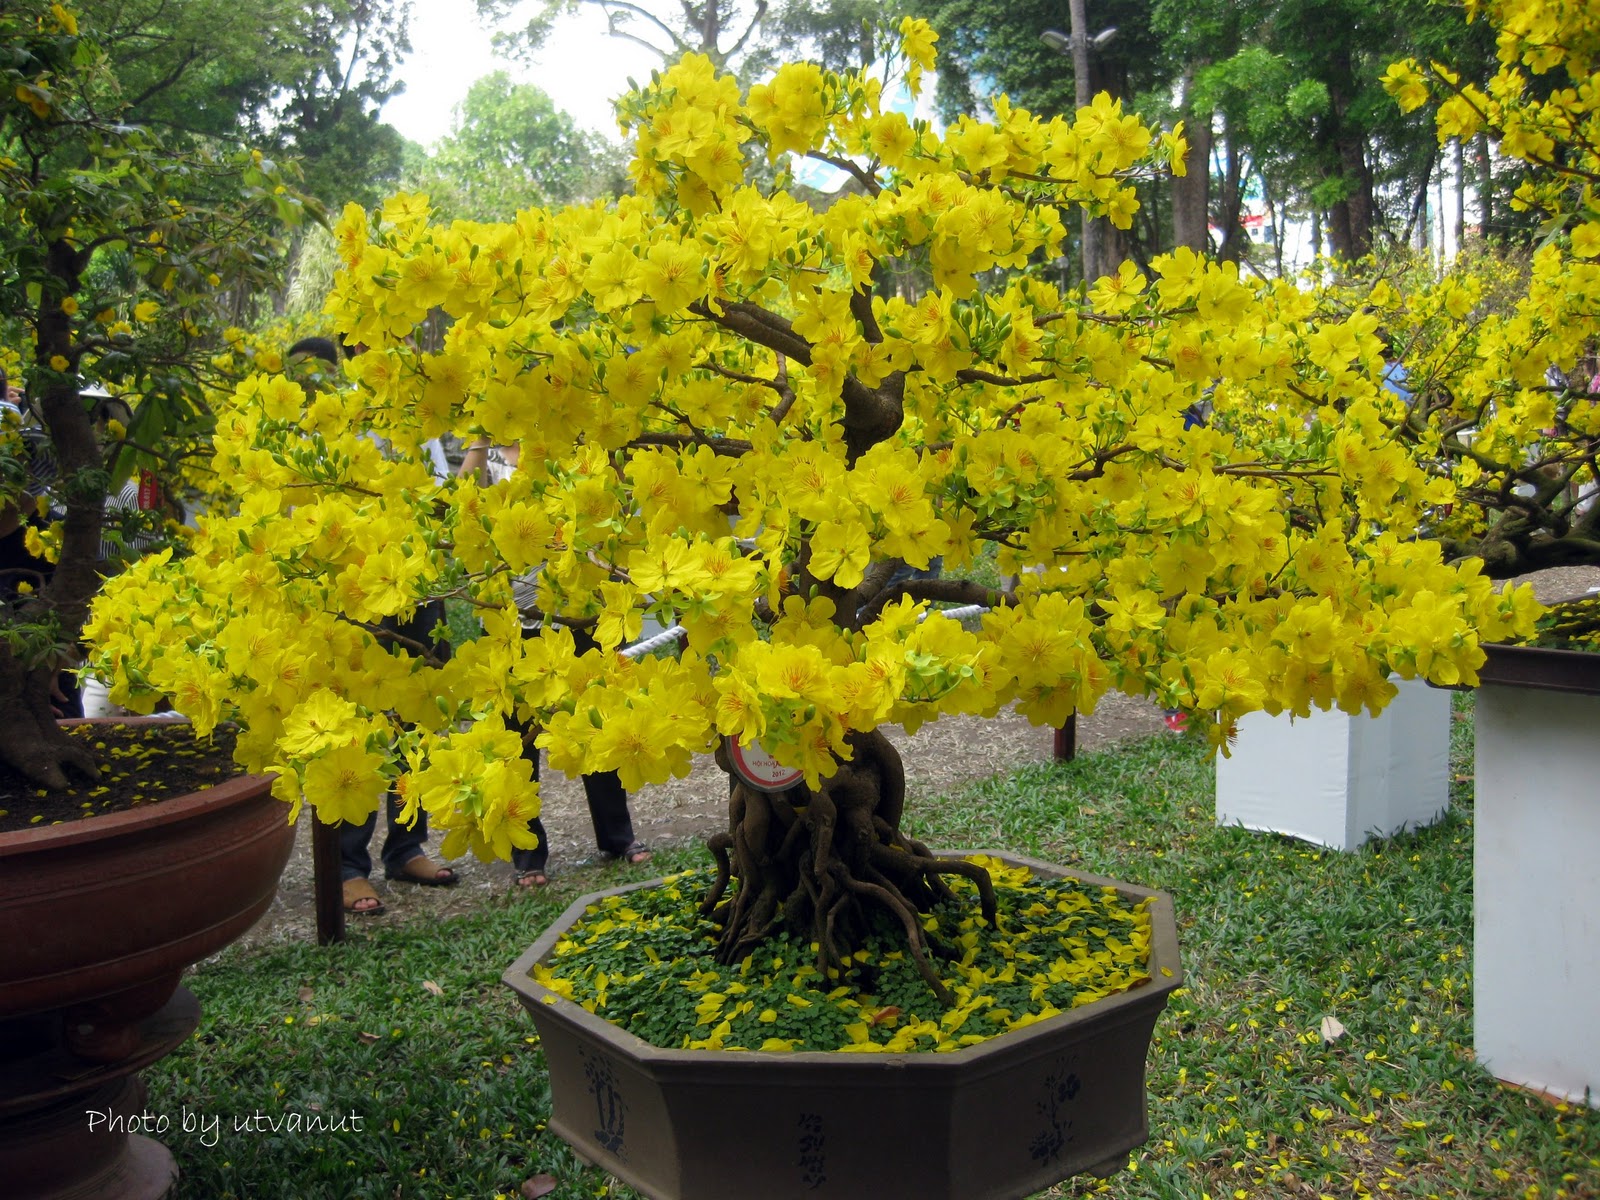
[149, 489]
[758, 769]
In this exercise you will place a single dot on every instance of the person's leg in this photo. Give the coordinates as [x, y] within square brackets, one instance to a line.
[613, 825]
[403, 857]
[401, 844]
[530, 865]
[404, 860]
[355, 864]
[608, 801]
[355, 859]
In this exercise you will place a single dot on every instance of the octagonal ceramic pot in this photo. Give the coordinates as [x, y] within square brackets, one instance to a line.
[1004, 1118]
[120, 904]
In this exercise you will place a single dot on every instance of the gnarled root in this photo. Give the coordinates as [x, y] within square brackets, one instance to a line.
[818, 862]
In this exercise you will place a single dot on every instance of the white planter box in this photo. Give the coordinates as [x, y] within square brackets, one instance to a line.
[1536, 889]
[1338, 780]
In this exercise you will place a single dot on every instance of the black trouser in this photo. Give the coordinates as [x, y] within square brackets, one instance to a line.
[608, 802]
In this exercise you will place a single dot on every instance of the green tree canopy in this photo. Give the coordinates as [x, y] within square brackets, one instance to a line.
[511, 149]
[80, 184]
[301, 77]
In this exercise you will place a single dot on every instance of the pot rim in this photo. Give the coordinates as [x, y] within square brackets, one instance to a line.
[1543, 667]
[87, 830]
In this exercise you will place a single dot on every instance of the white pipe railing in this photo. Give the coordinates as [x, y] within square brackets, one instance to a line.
[656, 640]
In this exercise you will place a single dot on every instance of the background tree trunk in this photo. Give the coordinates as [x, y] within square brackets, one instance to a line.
[1231, 204]
[30, 740]
[1485, 186]
[1191, 194]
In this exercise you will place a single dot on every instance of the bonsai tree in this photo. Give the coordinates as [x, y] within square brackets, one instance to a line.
[1502, 388]
[1490, 379]
[726, 422]
[114, 244]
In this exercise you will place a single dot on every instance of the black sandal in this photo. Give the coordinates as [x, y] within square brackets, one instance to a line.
[635, 855]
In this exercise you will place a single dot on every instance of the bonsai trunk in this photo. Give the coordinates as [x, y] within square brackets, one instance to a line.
[30, 739]
[817, 862]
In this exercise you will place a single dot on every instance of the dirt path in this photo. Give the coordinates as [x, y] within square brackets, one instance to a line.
[938, 760]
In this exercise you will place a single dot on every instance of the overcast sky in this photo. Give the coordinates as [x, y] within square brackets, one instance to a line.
[581, 68]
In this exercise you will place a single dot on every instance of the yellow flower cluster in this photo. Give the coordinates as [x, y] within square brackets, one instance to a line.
[1479, 341]
[724, 423]
[1554, 39]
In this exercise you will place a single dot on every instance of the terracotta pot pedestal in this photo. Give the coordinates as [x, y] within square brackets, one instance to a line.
[65, 1125]
[1535, 891]
[1004, 1118]
[99, 919]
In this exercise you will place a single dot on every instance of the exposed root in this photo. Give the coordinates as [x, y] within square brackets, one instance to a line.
[933, 867]
[818, 863]
[913, 934]
[718, 844]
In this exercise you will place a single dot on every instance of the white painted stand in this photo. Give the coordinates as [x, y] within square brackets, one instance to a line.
[1536, 890]
[1338, 780]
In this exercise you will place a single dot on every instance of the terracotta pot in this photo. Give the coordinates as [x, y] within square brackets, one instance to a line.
[99, 918]
[1004, 1118]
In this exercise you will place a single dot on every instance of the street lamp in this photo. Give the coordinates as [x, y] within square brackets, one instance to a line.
[1077, 46]
[1061, 43]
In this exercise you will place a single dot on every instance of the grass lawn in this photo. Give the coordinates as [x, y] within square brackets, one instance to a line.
[406, 1030]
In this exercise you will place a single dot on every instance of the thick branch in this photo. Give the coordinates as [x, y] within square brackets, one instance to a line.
[755, 323]
[861, 310]
[730, 447]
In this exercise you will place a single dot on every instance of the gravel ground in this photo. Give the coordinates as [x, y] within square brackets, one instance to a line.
[938, 760]
[1563, 583]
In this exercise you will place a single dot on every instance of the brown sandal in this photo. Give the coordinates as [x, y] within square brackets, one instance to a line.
[360, 899]
[527, 880]
[423, 872]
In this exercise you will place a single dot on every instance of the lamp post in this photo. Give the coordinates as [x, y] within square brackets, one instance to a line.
[1077, 46]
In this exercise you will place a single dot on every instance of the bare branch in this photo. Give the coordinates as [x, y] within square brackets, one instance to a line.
[755, 21]
[788, 393]
[613, 8]
[851, 168]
